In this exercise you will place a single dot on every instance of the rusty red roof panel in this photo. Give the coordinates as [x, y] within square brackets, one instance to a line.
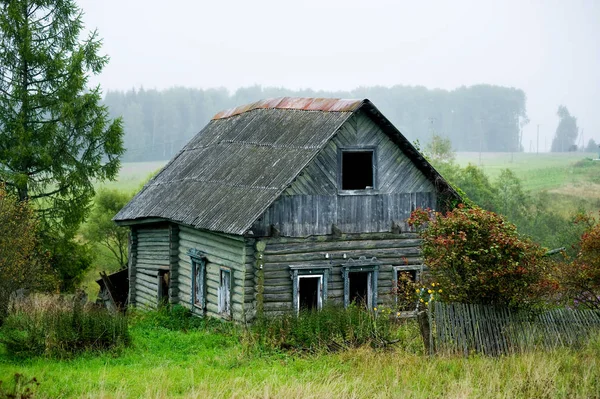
[298, 103]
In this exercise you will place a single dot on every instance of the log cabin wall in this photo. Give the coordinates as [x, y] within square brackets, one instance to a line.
[276, 256]
[149, 258]
[314, 201]
[223, 252]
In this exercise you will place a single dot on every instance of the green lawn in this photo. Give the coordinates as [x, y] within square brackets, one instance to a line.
[205, 363]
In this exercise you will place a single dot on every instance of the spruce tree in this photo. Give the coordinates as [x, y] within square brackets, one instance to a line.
[55, 136]
[56, 139]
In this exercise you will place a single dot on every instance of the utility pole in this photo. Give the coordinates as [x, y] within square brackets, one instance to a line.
[537, 146]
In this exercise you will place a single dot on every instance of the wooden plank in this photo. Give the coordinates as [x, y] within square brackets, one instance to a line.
[397, 255]
[330, 246]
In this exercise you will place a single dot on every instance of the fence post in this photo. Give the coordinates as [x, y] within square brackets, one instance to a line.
[425, 327]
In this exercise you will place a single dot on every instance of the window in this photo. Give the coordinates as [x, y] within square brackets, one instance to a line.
[360, 282]
[225, 292]
[309, 286]
[198, 278]
[360, 291]
[403, 280]
[357, 171]
[163, 287]
[309, 292]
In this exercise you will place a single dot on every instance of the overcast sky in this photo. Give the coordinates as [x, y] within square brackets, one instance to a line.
[550, 49]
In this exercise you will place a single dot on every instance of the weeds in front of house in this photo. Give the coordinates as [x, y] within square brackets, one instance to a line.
[333, 328]
[60, 326]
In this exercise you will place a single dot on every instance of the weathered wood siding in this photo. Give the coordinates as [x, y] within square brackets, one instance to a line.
[313, 202]
[221, 250]
[274, 256]
[151, 254]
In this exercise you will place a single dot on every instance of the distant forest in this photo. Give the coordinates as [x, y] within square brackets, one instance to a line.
[481, 117]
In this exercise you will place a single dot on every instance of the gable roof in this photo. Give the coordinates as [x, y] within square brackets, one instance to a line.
[241, 162]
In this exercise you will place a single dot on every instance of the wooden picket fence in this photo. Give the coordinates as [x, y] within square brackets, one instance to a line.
[467, 328]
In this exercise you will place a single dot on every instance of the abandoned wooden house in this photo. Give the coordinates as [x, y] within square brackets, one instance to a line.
[280, 205]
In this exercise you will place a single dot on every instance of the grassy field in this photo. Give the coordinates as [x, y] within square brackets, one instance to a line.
[545, 171]
[218, 363]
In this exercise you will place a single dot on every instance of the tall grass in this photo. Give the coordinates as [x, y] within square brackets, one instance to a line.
[332, 328]
[59, 326]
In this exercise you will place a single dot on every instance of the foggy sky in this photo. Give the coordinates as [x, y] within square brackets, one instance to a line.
[550, 49]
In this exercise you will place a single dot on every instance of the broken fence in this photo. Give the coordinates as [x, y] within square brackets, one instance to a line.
[469, 328]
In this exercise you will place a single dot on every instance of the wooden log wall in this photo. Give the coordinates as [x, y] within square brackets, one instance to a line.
[152, 254]
[313, 202]
[222, 250]
[276, 255]
[131, 263]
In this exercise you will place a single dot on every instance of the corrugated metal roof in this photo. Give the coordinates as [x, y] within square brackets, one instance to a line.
[231, 172]
[227, 175]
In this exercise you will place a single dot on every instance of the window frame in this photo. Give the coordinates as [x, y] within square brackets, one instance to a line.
[307, 271]
[420, 269]
[340, 159]
[198, 286]
[363, 264]
[225, 307]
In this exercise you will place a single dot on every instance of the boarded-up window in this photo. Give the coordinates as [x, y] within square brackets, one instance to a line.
[225, 292]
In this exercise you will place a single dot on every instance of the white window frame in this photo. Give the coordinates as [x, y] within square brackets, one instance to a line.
[323, 272]
[319, 293]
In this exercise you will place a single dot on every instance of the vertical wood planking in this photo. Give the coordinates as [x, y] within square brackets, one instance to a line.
[153, 253]
[468, 328]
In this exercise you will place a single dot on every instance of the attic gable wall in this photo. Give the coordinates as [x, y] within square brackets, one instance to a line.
[397, 174]
[312, 203]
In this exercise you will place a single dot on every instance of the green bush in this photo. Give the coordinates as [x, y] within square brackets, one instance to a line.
[332, 328]
[478, 257]
[58, 326]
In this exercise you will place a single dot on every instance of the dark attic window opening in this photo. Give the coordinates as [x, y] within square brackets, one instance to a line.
[357, 170]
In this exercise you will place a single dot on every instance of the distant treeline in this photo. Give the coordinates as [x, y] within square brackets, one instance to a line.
[482, 117]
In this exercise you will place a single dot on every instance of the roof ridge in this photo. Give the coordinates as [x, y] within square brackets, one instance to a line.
[295, 103]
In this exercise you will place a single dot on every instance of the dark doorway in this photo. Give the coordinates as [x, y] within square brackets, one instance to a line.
[357, 170]
[309, 292]
[359, 288]
[163, 287]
